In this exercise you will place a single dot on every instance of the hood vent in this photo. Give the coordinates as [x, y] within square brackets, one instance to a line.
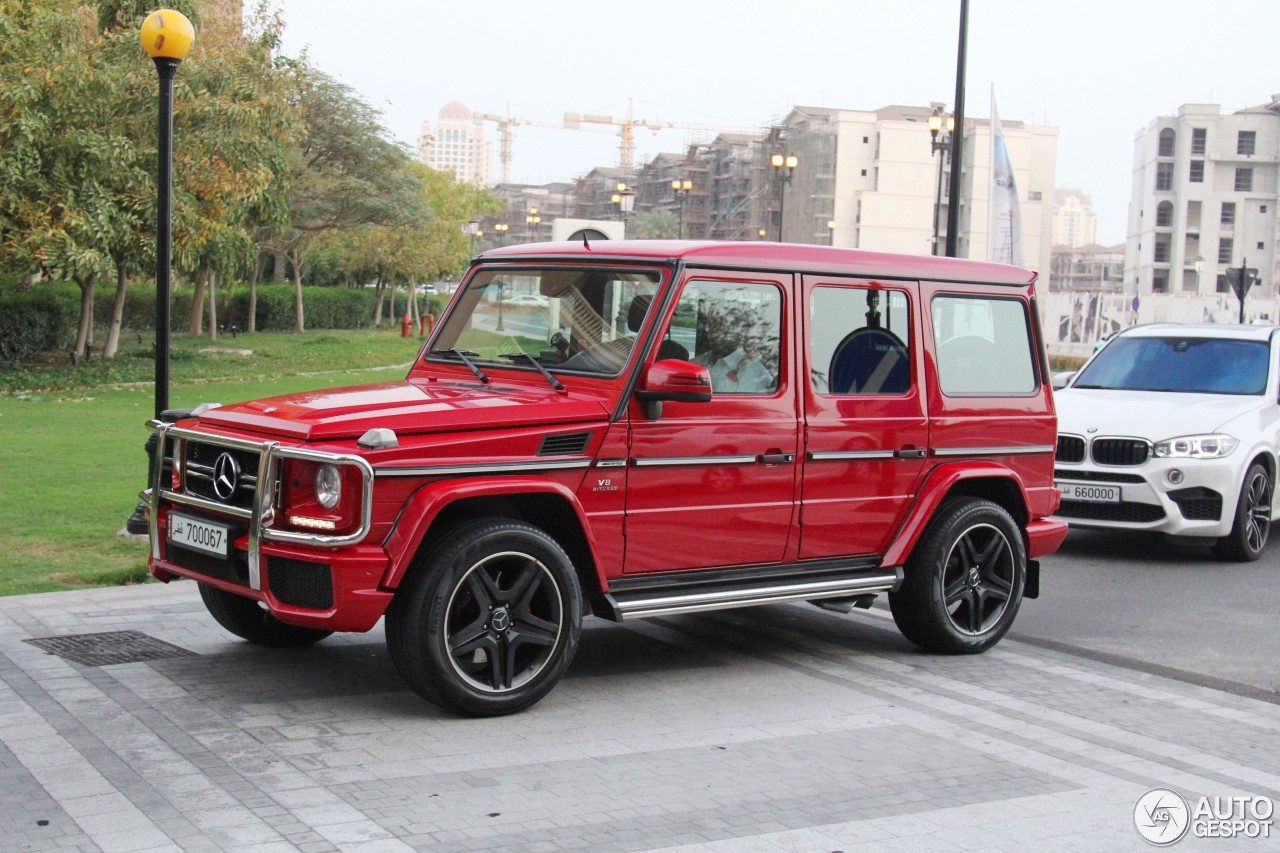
[565, 444]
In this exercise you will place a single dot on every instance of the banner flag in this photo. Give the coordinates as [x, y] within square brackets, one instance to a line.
[1005, 245]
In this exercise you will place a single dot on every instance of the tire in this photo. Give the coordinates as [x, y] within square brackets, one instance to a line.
[247, 619]
[963, 583]
[1252, 522]
[467, 638]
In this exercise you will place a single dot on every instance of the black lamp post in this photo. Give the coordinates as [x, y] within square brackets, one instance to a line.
[502, 229]
[941, 147]
[625, 199]
[167, 36]
[681, 190]
[474, 232]
[784, 165]
[531, 221]
[957, 137]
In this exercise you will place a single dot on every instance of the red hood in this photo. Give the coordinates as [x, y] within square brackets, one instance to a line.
[406, 407]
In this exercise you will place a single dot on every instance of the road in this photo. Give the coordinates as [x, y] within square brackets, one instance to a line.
[1162, 607]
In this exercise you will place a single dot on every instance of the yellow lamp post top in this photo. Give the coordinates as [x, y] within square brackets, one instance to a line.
[167, 34]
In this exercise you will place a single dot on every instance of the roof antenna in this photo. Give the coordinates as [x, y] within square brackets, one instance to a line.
[585, 244]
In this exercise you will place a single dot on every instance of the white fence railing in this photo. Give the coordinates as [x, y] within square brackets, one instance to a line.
[1074, 322]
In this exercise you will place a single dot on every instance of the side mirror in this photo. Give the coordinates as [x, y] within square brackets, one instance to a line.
[672, 379]
[1062, 379]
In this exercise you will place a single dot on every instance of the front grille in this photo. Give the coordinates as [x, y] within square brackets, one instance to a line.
[204, 463]
[1120, 451]
[1134, 512]
[1070, 448]
[1096, 476]
[300, 583]
[1198, 503]
[565, 444]
[234, 568]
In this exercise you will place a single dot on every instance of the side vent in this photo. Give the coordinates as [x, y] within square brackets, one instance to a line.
[565, 444]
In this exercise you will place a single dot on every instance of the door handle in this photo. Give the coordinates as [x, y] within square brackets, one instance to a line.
[776, 458]
[910, 453]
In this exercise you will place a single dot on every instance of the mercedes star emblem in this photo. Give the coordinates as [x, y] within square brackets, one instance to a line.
[226, 476]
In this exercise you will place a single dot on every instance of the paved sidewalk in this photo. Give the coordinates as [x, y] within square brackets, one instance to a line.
[781, 728]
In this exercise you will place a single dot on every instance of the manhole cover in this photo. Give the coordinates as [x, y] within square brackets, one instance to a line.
[110, 648]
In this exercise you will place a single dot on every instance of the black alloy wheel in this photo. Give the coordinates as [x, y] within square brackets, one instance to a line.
[489, 620]
[250, 620]
[1252, 524]
[962, 586]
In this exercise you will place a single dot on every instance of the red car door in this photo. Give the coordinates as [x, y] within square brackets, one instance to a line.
[713, 483]
[865, 413]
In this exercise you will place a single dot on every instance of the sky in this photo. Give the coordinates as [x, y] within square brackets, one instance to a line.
[1099, 71]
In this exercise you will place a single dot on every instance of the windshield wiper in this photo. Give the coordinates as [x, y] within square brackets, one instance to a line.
[555, 383]
[462, 356]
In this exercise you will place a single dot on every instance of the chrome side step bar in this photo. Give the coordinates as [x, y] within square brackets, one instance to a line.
[656, 602]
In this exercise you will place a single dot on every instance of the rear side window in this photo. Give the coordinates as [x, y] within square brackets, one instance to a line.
[983, 345]
[859, 341]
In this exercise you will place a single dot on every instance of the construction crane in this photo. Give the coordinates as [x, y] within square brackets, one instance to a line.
[506, 135]
[575, 121]
[627, 126]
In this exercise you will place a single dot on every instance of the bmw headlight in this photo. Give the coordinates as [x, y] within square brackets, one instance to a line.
[328, 485]
[1213, 446]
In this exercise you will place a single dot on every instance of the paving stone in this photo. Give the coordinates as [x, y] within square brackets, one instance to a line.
[775, 729]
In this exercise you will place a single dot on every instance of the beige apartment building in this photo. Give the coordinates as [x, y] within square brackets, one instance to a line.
[1204, 200]
[873, 179]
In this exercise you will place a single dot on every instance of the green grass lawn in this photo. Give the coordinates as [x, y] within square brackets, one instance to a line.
[71, 441]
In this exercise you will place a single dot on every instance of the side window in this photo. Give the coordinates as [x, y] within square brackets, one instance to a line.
[733, 329]
[984, 345]
[859, 341]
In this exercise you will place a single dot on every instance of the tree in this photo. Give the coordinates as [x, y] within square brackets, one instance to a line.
[654, 225]
[343, 173]
[73, 191]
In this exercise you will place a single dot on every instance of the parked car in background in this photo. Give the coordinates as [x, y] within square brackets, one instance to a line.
[532, 300]
[1175, 429]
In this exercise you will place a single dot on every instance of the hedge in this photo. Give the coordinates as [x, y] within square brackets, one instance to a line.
[58, 304]
[33, 323]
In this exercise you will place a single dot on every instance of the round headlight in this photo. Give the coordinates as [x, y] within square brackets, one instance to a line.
[328, 486]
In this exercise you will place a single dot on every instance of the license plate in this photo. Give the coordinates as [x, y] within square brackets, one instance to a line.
[1090, 493]
[198, 534]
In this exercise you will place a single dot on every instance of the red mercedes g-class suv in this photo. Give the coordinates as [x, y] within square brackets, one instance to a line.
[633, 428]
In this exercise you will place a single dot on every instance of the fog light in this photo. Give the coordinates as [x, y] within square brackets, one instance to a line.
[1174, 476]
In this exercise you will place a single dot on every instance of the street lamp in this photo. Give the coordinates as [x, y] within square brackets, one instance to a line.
[681, 190]
[502, 229]
[783, 166]
[760, 234]
[941, 148]
[831, 232]
[473, 229]
[625, 199]
[167, 37]
[531, 221]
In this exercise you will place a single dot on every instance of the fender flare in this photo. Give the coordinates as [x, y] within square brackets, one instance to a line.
[427, 502]
[937, 485]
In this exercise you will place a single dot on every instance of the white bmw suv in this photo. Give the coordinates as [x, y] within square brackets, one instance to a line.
[1175, 429]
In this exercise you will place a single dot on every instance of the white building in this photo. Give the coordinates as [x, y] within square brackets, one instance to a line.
[457, 145]
[877, 184]
[1074, 222]
[1204, 200]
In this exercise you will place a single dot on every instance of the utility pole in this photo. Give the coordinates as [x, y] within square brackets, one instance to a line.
[957, 138]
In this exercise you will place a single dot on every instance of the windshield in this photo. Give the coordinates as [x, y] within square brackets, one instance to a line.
[1191, 365]
[566, 319]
